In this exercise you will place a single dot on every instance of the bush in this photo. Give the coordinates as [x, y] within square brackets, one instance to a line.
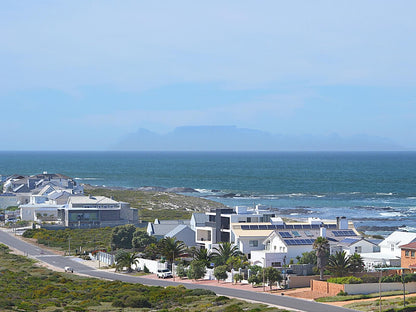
[342, 293]
[146, 269]
[345, 280]
[233, 308]
[370, 279]
[221, 298]
[201, 292]
[137, 302]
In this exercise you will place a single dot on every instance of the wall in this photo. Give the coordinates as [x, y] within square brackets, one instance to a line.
[406, 262]
[354, 289]
[326, 288]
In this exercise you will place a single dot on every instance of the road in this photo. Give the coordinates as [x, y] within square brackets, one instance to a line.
[60, 262]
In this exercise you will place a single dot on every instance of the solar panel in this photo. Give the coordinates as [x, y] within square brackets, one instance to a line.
[296, 233]
[344, 233]
[254, 227]
[297, 226]
[289, 226]
[271, 227]
[263, 227]
[308, 233]
[245, 227]
[285, 234]
[315, 226]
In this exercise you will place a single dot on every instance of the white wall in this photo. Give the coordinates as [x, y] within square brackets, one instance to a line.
[368, 288]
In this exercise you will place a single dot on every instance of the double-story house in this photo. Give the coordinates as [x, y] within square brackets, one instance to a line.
[96, 211]
[217, 225]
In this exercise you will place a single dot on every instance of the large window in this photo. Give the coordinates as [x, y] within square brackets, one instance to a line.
[253, 243]
[358, 249]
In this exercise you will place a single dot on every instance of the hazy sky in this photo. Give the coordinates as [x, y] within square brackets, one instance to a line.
[81, 74]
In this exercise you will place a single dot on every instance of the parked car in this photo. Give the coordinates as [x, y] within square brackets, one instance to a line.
[69, 269]
[164, 273]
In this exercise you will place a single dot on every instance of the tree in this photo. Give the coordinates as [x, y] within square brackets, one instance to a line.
[338, 264]
[220, 273]
[203, 255]
[356, 263]
[125, 259]
[141, 240]
[180, 270]
[171, 248]
[321, 247]
[196, 270]
[307, 258]
[122, 236]
[152, 251]
[237, 262]
[223, 252]
[272, 275]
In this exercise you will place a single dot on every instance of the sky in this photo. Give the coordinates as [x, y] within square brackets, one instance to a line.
[81, 75]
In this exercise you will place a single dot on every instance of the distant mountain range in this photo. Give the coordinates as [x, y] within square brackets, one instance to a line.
[231, 138]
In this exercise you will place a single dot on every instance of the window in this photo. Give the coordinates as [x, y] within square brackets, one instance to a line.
[392, 247]
[412, 253]
[407, 253]
[358, 249]
[253, 243]
[276, 264]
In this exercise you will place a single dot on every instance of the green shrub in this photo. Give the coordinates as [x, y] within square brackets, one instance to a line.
[200, 292]
[137, 302]
[345, 280]
[145, 269]
[342, 293]
[233, 308]
[221, 298]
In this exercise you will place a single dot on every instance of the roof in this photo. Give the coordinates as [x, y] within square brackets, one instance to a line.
[177, 230]
[409, 246]
[92, 200]
[162, 229]
[399, 238]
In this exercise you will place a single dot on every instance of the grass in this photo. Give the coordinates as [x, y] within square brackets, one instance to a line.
[161, 205]
[357, 297]
[389, 305]
[24, 286]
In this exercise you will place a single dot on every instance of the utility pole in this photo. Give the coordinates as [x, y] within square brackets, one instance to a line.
[69, 245]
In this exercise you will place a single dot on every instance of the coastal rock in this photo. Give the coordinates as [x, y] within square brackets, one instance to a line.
[181, 190]
[228, 195]
[152, 189]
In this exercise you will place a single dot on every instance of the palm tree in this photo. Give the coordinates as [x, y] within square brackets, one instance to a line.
[321, 247]
[203, 255]
[125, 259]
[223, 252]
[356, 263]
[171, 248]
[339, 264]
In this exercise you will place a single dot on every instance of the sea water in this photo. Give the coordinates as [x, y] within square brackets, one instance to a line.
[372, 188]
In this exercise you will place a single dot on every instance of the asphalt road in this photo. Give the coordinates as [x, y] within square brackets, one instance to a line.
[60, 262]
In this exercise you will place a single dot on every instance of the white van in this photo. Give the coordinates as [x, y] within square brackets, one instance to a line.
[69, 269]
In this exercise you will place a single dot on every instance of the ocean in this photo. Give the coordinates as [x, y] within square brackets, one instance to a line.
[377, 190]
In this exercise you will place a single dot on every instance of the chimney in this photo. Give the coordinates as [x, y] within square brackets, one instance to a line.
[338, 223]
[322, 231]
[343, 223]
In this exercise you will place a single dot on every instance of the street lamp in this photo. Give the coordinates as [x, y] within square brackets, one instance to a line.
[264, 263]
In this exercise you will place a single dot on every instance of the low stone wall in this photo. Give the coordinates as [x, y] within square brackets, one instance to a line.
[326, 288]
[301, 281]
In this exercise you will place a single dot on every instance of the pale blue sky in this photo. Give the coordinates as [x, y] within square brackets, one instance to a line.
[79, 75]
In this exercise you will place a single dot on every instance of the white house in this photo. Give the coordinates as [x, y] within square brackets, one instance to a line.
[287, 241]
[217, 227]
[390, 252]
[352, 245]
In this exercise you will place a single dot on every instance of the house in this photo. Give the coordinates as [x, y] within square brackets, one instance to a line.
[98, 211]
[159, 228]
[216, 227]
[390, 252]
[183, 233]
[352, 245]
[408, 256]
[287, 241]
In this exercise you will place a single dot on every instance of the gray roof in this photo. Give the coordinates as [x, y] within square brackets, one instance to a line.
[177, 230]
[163, 229]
